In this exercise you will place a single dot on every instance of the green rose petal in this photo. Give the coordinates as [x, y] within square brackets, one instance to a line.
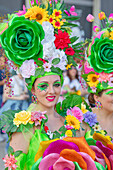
[22, 40]
[101, 58]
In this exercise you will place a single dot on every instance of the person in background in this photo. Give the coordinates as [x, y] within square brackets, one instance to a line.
[71, 80]
[15, 94]
[2, 81]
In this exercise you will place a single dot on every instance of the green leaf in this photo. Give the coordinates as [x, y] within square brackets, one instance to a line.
[10, 150]
[77, 45]
[55, 61]
[58, 107]
[39, 71]
[69, 24]
[92, 131]
[27, 80]
[56, 135]
[71, 101]
[39, 62]
[63, 129]
[71, 18]
[104, 84]
[74, 132]
[17, 153]
[56, 70]
[14, 129]
[10, 127]
[73, 39]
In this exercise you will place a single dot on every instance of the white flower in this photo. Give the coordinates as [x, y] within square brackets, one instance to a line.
[50, 134]
[97, 127]
[47, 67]
[49, 33]
[27, 68]
[48, 50]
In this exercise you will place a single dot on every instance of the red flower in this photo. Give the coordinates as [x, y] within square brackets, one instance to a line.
[62, 40]
[44, 61]
[46, 128]
[50, 20]
[70, 51]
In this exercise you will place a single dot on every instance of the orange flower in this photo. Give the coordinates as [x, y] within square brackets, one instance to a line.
[102, 15]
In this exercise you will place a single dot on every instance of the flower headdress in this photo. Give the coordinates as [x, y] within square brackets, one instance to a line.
[38, 41]
[98, 67]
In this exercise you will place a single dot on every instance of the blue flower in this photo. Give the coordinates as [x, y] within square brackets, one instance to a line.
[90, 118]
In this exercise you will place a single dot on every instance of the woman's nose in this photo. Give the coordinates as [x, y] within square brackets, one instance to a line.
[51, 89]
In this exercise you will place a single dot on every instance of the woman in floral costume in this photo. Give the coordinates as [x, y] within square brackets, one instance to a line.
[36, 41]
[98, 69]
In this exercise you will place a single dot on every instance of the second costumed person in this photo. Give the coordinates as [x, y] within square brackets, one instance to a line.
[38, 43]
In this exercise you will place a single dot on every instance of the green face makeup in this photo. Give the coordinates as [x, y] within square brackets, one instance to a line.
[43, 86]
[109, 92]
[57, 84]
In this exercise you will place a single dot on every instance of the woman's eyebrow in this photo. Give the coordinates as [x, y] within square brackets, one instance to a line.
[56, 81]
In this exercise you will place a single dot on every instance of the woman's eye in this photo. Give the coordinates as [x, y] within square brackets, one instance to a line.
[57, 85]
[43, 86]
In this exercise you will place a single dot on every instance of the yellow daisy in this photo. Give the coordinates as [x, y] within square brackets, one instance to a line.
[111, 35]
[57, 14]
[73, 121]
[92, 80]
[38, 14]
[68, 66]
[57, 24]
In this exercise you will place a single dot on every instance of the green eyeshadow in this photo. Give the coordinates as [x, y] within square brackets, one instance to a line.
[43, 86]
[109, 92]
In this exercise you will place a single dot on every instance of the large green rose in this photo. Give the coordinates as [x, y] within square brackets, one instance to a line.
[101, 58]
[22, 40]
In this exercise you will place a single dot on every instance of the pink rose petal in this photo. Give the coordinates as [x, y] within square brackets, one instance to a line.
[48, 161]
[89, 161]
[62, 164]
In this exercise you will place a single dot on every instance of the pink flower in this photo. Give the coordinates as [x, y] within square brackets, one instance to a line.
[28, 68]
[110, 83]
[67, 12]
[71, 12]
[88, 68]
[104, 77]
[93, 88]
[54, 161]
[68, 127]
[37, 117]
[76, 112]
[21, 12]
[47, 67]
[111, 17]
[90, 18]
[10, 162]
[32, 2]
[96, 29]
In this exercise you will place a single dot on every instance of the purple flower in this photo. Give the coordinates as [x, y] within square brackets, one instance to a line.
[90, 118]
[27, 68]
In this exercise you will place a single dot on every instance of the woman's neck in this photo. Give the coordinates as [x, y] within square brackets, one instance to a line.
[103, 114]
[42, 108]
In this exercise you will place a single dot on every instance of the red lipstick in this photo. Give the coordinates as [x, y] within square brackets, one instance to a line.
[50, 98]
